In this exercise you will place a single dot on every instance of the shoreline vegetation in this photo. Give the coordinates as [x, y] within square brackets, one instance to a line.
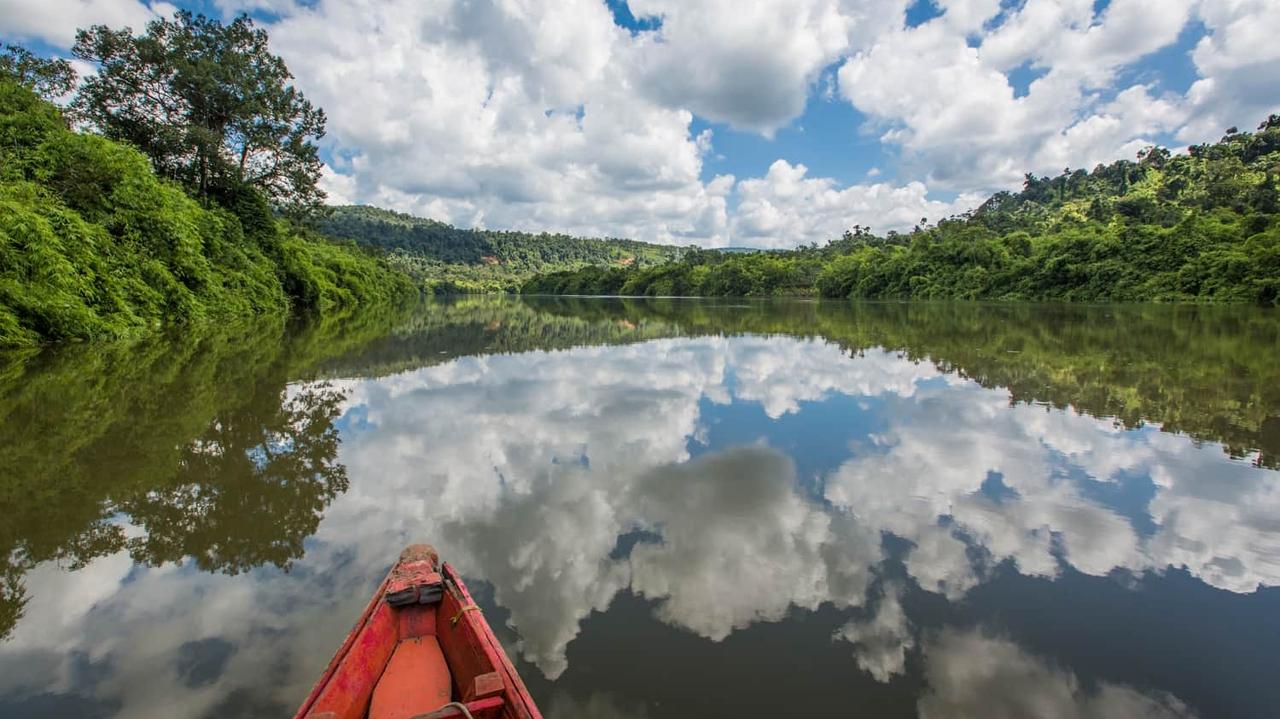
[180, 185]
[448, 260]
[1199, 226]
[183, 205]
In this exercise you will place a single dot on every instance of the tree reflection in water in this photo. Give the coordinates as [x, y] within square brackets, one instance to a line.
[249, 490]
[195, 445]
[580, 482]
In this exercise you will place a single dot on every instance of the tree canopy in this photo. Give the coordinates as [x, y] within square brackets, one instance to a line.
[94, 244]
[209, 104]
[449, 259]
[1201, 225]
[47, 77]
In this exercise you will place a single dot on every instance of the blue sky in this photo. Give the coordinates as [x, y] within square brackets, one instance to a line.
[717, 122]
[820, 139]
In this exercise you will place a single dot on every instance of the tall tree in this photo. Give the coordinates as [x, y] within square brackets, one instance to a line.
[210, 105]
[48, 78]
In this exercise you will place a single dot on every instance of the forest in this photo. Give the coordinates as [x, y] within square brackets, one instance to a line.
[447, 259]
[1195, 226]
[181, 201]
[179, 184]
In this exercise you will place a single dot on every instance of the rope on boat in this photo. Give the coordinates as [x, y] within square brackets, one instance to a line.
[457, 617]
[442, 711]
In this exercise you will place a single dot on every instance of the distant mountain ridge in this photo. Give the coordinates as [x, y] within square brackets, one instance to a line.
[451, 259]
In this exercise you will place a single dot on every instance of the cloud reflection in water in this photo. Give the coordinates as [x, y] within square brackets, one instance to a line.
[527, 469]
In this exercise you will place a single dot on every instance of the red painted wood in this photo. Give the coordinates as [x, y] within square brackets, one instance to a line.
[416, 568]
[418, 620]
[485, 685]
[480, 642]
[346, 685]
[481, 674]
[463, 648]
[415, 682]
[480, 709]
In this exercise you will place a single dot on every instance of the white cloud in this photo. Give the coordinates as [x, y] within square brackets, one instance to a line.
[1067, 38]
[752, 65]
[786, 208]
[948, 441]
[780, 377]
[975, 673]
[547, 116]
[740, 545]
[56, 21]
[944, 95]
[513, 115]
[1239, 67]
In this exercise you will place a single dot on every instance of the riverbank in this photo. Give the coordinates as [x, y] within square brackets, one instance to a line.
[94, 245]
[1199, 226]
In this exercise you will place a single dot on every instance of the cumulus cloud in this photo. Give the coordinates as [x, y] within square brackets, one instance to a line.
[1239, 67]
[942, 90]
[781, 376]
[551, 440]
[530, 442]
[1070, 39]
[134, 626]
[740, 545]
[548, 116]
[751, 65]
[56, 22]
[499, 114]
[949, 442]
[785, 208]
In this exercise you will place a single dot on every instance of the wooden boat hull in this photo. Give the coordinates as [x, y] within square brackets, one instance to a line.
[421, 648]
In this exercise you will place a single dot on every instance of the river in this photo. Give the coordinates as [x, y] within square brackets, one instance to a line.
[666, 508]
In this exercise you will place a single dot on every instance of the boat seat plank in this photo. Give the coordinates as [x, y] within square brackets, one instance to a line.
[415, 682]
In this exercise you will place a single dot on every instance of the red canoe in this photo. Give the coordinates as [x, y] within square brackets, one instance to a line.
[421, 650]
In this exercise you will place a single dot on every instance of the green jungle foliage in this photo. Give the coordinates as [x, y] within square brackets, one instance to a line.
[448, 259]
[93, 244]
[209, 104]
[1204, 225]
[49, 78]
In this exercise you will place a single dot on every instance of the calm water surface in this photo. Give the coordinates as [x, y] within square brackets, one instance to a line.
[666, 508]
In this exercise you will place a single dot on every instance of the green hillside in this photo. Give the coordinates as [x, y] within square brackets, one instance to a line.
[166, 203]
[448, 258]
[93, 244]
[1201, 225]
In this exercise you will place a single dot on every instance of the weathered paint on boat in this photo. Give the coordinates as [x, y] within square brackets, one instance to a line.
[420, 633]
